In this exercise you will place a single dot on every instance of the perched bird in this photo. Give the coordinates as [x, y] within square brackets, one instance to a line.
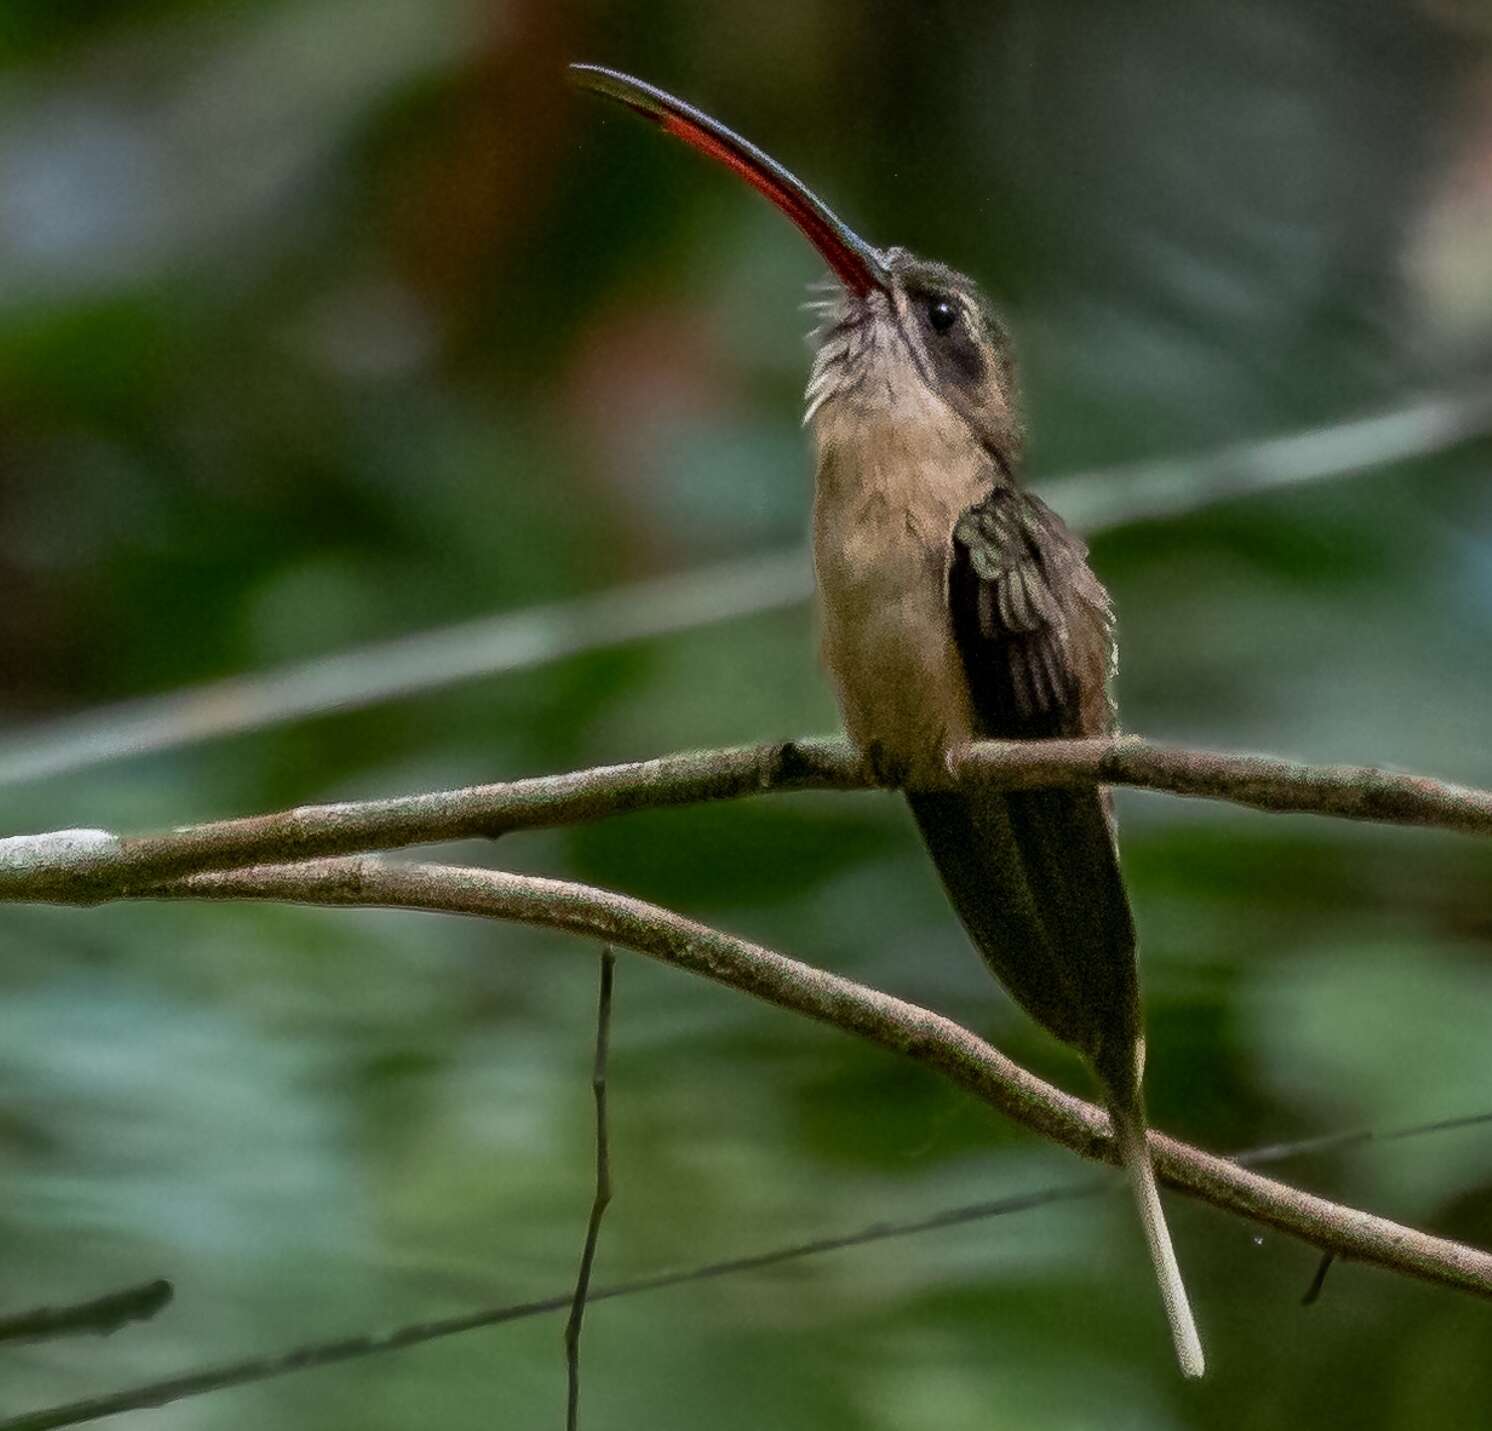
[956, 605]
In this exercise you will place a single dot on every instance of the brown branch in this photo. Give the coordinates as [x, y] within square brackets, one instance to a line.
[90, 866]
[1262, 782]
[99, 1316]
[320, 1354]
[603, 1193]
[919, 1034]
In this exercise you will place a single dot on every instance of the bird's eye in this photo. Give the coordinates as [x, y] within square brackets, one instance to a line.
[942, 314]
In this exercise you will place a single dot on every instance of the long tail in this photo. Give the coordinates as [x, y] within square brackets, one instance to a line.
[1136, 1155]
[1035, 879]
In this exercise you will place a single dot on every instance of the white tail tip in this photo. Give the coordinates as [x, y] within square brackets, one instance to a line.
[1136, 1156]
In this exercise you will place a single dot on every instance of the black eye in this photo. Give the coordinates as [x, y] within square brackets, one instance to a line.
[941, 314]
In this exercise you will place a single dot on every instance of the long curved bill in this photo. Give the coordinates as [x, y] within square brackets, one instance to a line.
[856, 264]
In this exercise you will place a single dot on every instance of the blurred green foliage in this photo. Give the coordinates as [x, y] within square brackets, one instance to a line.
[324, 321]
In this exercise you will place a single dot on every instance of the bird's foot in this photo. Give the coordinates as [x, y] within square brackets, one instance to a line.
[886, 769]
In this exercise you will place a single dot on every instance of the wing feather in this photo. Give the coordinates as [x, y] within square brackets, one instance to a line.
[1034, 874]
[1032, 623]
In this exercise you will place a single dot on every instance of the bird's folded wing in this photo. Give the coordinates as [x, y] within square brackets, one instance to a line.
[1034, 874]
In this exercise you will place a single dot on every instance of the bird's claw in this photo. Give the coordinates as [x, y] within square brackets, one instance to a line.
[886, 769]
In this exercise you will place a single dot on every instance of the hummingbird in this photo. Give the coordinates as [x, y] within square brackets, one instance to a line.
[956, 606]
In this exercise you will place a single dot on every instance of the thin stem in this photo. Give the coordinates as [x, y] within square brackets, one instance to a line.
[99, 1316]
[320, 1354]
[916, 1033]
[1318, 1281]
[603, 1192]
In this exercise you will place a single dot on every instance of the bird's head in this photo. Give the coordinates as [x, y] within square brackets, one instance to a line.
[897, 331]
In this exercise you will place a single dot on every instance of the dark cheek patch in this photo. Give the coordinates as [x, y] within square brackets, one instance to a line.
[959, 355]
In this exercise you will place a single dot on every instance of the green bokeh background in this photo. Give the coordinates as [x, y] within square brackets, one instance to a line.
[327, 321]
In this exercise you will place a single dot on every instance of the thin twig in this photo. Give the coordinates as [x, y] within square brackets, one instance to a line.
[1262, 782]
[321, 1354]
[85, 866]
[90, 866]
[916, 1033]
[409, 665]
[541, 635]
[99, 1316]
[1313, 1292]
[603, 1193]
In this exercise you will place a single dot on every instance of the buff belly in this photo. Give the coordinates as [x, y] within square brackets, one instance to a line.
[882, 572]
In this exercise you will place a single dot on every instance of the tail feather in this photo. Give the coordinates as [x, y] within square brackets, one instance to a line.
[1135, 1153]
[1034, 876]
